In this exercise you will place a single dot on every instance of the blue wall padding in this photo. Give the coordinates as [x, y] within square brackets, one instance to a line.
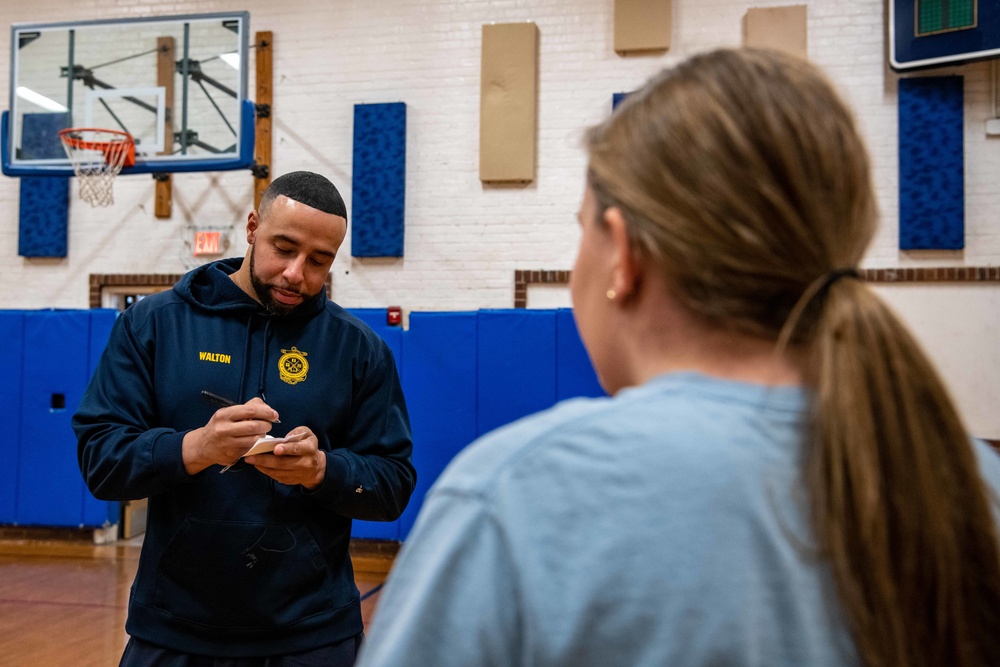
[102, 320]
[43, 216]
[393, 336]
[931, 163]
[97, 512]
[516, 365]
[463, 374]
[440, 387]
[11, 360]
[40, 136]
[56, 359]
[379, 180]
[575, 375]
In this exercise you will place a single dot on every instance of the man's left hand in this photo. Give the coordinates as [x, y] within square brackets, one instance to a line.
[299, 462]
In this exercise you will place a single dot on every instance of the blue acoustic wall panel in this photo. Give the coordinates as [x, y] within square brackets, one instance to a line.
[931, 164]
[516, 361]
[43, 216]
[440, 384]
[379, 180]
[11, 360]
[392, 335]
[40, 136]
[44, 209]
[56, 359]
[575, 374]
[98, 512]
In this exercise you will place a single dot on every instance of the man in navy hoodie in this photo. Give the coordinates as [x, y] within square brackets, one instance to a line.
[250, 567]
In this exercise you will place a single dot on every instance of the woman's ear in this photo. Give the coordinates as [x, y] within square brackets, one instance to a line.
[625, 270]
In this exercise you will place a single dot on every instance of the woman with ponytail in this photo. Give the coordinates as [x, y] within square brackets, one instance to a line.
[778, 476]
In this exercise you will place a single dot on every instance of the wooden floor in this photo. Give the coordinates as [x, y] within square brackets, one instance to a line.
[64, 602]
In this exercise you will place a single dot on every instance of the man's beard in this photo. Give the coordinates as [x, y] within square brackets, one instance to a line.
[263, 292]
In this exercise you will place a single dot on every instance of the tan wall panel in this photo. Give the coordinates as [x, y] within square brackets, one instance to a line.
[642, 25]
[778, 28]
[508, 111]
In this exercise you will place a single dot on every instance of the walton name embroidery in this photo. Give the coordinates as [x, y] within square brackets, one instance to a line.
[216, 357]
[292, 365]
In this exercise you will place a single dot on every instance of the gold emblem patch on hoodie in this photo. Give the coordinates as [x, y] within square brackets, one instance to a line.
[292, 365]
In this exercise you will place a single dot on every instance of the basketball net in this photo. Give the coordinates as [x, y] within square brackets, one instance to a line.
[97, 157]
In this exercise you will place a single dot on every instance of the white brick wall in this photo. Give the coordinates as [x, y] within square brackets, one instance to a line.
[464, 240]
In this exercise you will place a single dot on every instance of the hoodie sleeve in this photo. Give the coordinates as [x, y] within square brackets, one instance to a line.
[370, 476]
[122, 454]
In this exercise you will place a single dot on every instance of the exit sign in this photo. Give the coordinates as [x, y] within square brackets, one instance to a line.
[206, 243]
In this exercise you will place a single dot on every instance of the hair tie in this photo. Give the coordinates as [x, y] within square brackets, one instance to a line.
[827, 280]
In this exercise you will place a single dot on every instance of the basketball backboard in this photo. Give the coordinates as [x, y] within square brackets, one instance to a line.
[177, 84]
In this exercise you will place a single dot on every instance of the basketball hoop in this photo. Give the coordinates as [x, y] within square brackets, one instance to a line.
[97, 156]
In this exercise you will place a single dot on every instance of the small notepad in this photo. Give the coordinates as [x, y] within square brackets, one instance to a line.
[266, 445]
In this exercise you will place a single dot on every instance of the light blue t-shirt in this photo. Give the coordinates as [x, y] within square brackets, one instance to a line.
[664, 526]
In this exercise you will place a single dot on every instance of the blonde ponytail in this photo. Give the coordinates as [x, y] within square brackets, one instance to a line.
[898, 505]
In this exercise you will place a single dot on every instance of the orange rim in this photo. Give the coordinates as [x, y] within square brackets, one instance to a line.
[108, 148]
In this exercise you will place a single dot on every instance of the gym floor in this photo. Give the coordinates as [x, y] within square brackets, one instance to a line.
[63, 601]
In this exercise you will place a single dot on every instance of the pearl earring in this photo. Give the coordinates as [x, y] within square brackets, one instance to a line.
[611, 294]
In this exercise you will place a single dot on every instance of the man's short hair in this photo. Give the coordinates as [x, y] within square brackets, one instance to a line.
[307, 188]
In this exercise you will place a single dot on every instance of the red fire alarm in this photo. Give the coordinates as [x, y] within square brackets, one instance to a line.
[394, 315]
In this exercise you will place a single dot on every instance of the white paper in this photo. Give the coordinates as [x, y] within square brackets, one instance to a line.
[266, 444]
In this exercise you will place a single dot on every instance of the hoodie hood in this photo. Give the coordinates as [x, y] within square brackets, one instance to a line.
[210, 287]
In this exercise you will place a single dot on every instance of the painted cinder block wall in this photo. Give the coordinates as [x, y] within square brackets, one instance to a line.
[465, 240]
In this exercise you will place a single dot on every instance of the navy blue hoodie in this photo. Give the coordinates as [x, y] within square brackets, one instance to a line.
[237, 564]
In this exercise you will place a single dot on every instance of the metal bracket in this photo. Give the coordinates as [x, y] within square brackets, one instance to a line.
[260, 170]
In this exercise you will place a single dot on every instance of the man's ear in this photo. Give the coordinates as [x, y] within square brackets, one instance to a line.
[625, 271]
[253, 222]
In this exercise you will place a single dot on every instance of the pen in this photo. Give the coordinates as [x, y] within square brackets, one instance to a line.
[224, 402]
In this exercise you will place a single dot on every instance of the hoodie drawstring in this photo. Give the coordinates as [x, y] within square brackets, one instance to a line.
[263, 362]
[262, 378]
[246, 359]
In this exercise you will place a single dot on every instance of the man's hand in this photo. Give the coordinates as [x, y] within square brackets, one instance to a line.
[227, 435]
[299, 462]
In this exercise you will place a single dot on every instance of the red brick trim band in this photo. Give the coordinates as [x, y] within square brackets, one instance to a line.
[524, 278]
[98, 281]
[991, 274]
